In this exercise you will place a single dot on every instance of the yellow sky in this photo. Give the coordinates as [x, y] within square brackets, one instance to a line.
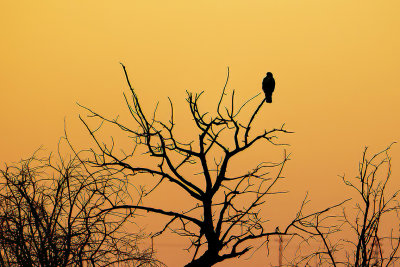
[336, 65]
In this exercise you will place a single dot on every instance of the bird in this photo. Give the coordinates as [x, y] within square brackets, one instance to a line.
[268, 86]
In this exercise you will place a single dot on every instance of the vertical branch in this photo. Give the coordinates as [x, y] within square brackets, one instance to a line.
[246, 135]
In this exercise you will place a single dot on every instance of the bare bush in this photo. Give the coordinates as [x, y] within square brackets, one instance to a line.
[49, 216]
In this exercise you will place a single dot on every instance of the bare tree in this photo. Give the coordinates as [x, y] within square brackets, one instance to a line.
[226, 215]
[50, 216]
[355, 237]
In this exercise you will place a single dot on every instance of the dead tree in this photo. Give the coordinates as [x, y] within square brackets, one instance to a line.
[355, 236]
[49, 217]
[226, 216]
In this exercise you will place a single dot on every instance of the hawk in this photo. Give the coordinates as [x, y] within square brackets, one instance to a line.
[268, 86]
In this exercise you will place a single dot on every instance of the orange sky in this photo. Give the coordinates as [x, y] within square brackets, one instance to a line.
[336, 65]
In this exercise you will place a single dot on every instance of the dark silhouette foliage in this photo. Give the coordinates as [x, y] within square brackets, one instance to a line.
[49, 216]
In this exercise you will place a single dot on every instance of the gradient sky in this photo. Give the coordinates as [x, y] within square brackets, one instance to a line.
[336, 65]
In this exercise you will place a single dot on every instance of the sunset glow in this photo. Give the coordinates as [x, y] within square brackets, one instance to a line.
[336, 65]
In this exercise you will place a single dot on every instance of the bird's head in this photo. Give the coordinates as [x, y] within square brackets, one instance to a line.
[269, 74]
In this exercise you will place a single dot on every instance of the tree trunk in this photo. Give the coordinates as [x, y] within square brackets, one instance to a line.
[208, 259]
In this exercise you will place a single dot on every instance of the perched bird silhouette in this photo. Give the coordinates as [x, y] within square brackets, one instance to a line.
[268, 86]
